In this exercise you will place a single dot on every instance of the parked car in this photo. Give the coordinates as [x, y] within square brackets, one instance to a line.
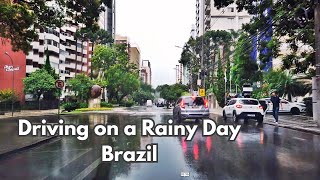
[160, 102]
[190, 107]
[149, 103]
[294, 108]
[244, 108]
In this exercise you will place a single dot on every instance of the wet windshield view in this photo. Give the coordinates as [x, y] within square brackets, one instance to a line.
[171, 89]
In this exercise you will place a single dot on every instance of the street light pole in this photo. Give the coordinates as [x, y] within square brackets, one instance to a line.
[12, 95]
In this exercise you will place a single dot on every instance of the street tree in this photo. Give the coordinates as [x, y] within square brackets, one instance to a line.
[38, 83]
[120, 82]
[290, 22]
[245, 69]
[286, 84]
[19, 20]
[81, 85]
[219, 88]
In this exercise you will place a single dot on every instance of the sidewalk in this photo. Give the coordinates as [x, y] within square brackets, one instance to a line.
[27, 113]
[296, 122]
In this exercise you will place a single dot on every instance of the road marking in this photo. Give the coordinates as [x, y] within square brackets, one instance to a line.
[88, 169]
[56, 171]
[300, 139]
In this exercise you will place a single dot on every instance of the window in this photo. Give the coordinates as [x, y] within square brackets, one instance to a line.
[55, 44]
[193, 101]
[249, 102]
[41, 42]
[49, 41]
[35, 64]
[61, 62]
[61, 71]
[29, 62]
[40, 54]
[35, 51]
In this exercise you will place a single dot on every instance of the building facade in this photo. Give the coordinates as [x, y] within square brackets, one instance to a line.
[66, 55]
[208, 17]
[132, 49]
[12, 69]
[145, 72]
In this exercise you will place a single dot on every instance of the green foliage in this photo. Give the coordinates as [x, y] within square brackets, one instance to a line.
[8, 95]
[19, 20]
[81, 85]
[286, 84]
[220, 85]
[83, 105]
[141, 96]
[120, 82]
[172, 92]
[48, 67]
[245, 69]
[291, 19]
[39, 82]
[71, 106]
[127, 103]
[105, 104]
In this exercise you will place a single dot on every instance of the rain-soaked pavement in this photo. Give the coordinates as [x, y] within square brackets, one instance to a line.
[259, 152]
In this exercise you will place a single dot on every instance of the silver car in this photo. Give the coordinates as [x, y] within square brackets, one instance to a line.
[190, 107]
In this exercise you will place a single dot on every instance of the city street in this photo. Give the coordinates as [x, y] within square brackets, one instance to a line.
[259, 152]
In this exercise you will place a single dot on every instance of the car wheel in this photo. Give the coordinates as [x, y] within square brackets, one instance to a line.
[235, 117]
[224, 115]
[295, 111]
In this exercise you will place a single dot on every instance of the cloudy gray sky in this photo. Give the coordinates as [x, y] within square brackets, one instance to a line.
[157, 26]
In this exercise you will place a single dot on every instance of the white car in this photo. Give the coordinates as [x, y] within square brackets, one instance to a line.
[286, 106]
[243, 108]
[149, 103]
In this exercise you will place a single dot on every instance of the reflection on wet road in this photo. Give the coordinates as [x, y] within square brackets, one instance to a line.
[259, 152]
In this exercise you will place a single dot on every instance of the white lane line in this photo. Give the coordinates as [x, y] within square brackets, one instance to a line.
[56, 171]
[300, 139]
[88, 170]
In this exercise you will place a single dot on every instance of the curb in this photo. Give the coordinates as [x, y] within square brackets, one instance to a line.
[34, 144]
[286, 126]
[295, 128]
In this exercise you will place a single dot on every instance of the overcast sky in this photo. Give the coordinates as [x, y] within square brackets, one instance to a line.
[157, 26]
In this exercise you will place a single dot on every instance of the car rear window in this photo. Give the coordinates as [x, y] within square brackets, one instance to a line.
[193, 101]
[249, 102]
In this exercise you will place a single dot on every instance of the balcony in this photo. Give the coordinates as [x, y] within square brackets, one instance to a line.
[208, 21]
[208, 10]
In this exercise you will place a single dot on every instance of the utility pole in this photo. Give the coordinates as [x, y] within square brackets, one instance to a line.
[316, 79]
[202, 46]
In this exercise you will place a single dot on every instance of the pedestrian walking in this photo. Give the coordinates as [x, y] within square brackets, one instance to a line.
[275, 105]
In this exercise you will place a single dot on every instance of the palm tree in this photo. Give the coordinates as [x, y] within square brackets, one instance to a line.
[286, 84]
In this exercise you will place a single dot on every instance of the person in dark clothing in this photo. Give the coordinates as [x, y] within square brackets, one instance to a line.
[276, 103]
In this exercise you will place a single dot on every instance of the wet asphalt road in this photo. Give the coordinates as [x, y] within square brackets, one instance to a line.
[259, 152]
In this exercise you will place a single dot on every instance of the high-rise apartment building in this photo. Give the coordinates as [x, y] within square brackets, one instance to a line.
[67, 56]
[145, 72]
[208, 17]
[131, 48]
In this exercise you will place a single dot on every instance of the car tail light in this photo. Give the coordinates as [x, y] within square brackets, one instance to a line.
[206, 104]
[238, 106]
[182, 104]
[260, 107]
